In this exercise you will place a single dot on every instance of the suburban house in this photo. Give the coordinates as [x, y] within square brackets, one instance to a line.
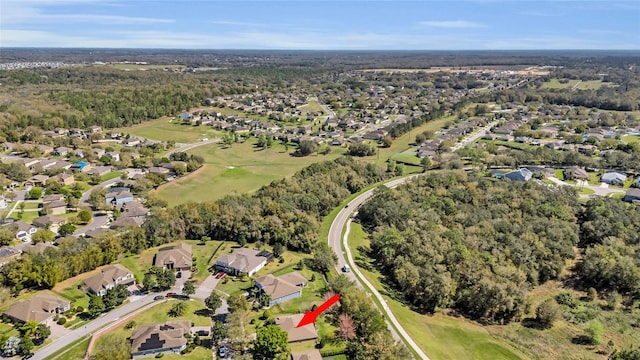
[100, 170]
[65, 179]
[118, 197]
[177, 257]
[288, 324]
[81, 166]
[613, 178]
[52, 197]
[632, 195]
[576, 173]
[108, 278]
[281, 288]
[49, 221]
[123, 222]
[7, 254]
[159, 170]
[519, 175]
[57, 207]
[307, 355]
[153, 339]
[23, 230]
[39, 308]
[242, 261]
[37, 180]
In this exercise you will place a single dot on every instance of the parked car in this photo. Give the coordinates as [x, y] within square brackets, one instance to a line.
[179, 275]
[222, 352]
[172, 294]
[158, 297]
[220, 275]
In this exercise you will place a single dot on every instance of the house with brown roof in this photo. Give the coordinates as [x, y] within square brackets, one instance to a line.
[307, 355]
[108, 278]
[37, 180]
[39, 308]
[166, 338]
[65, 179]
[49, 221]
[57, 207]
[288, 324]
[281, 288]
[242, 261]
[177, 257]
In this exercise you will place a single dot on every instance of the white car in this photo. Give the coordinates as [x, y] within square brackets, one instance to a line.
[346, 268]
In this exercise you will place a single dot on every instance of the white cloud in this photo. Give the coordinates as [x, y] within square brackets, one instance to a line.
[452, 24]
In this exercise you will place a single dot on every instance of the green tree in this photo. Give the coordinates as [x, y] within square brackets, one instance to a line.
[213, 301]
[35, 193]
[594, 332]
[97, 199]
[323, 257]
[43, 235]
[189, 288]
[271, 343]
[66, 229]
[178, 309]
[218, 331]
[426, 163]
[29, 328]
[306, 147]
[96, 306]
[42, 332]
[85, 216]
[547, 313]
[238, 303]
[26, 345]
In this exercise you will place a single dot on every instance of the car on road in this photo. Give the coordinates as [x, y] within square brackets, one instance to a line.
[172, 294]
[346, 268]
[28, 356]
[222, 352]
[220, 275]
[179, 275]
[158, 297]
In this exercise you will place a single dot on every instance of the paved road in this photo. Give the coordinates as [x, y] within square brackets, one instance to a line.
[99, 221]
[185, 147]
[118, 314]
[473, 137]
[335, 235]
[599, 190]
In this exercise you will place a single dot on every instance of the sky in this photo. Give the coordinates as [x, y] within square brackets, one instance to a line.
[322, 25]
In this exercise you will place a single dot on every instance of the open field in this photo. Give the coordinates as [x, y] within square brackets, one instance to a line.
[27, 216]
[313, 106]
[630, 139]
[239, 169]
[166, 128]
[579, 85]
[142, 67]
[75, 352]
[440, 336]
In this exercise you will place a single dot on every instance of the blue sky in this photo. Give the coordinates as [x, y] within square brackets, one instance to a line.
[305, 24]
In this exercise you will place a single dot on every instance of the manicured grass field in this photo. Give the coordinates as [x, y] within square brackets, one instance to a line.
[582, 85]
[440, 336]
[111, 175]
[313, 106]
[239, 169]
[199, 353]
[143, 66]
[406, 158]
[629, 139]
[165, 129]
[555, 84]
[72, 353]
[27, 216]
[594, 85]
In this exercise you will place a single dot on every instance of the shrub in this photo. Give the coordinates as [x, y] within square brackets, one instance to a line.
[547, 313]
[267, 314]
[62, 321]
[594, 333]
[79, 309]
[566, 299]
[159, 355]
[130, 325]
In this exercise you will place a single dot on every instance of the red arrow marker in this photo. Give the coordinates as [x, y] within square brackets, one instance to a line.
[310, 316]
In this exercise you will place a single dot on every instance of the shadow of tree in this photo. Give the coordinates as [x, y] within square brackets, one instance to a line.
[204, 312]
[532, 323]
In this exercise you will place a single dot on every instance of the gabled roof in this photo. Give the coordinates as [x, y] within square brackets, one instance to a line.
[519, 175]
[614, 175]
[38, 308]
[106, 277]
[47, 220]
[288, 323]
[160, 336]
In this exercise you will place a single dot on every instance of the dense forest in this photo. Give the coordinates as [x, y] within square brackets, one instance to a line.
[452, 240]
[286, 213]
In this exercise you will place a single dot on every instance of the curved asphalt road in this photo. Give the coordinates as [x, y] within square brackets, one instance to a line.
[335, 234]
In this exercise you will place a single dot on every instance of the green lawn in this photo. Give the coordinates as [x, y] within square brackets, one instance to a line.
[75, 352]
[559, 174]
[30, 205]
[199, 353]
[406, 158]
[585, 191]
[594, 85]
[439, 336]
[239, 169]
[555, 84]
[312, 106]
[629, 139]
[27, 216]
[111, 175]
[166, 129]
